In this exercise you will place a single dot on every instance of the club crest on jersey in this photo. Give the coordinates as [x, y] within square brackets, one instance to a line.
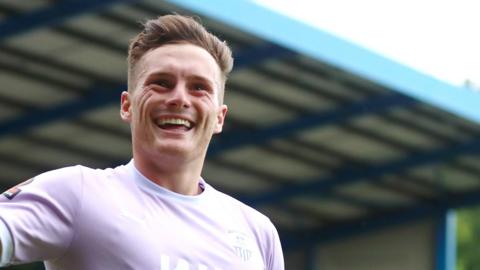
[242, 245]
[12, 192]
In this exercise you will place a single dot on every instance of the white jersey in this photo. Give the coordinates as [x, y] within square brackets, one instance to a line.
[77, 218]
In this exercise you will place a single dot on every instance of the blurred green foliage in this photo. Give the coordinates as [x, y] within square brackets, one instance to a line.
[468, 239]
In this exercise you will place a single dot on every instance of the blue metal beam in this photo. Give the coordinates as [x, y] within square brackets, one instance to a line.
[446, 241]
[297, 36]
[260, 53]
[290, 128]
[52, 15]
[99, 97]
[312, 258]
[370, 173]
[293, 240]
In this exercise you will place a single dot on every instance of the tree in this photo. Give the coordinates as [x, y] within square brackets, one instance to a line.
[468, 239]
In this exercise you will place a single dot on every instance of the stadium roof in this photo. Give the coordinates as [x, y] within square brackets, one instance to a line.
[326, 138]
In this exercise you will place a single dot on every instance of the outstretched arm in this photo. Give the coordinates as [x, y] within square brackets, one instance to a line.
[5, 245]
[38, 215]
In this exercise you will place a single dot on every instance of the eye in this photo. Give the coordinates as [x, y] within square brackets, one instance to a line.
[200, 87]
[162, 83]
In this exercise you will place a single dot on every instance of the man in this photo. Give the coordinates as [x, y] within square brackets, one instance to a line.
[156, 212]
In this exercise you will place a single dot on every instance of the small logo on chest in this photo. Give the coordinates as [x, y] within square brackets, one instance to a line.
[242, 244]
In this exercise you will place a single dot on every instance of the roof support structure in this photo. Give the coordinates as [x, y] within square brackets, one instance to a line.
[446, 241]
[372, 173]
[102, 95]
[261, 53]
[374, 224]
[52, 15]
[311, 259]
[99, 97]
[302, 38]
[283, 130]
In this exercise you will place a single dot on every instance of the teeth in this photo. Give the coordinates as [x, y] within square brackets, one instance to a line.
[174, 121]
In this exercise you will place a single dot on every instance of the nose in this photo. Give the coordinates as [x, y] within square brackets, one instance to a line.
[178, 98]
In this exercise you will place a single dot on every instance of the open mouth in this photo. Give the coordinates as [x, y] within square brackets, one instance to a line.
[174, 124]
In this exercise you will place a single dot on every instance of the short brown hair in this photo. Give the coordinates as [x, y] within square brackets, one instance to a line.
[177, 29]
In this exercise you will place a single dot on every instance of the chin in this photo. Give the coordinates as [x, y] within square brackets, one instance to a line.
[173, 148]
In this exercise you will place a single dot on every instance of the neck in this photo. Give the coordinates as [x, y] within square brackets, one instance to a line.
[179, 177]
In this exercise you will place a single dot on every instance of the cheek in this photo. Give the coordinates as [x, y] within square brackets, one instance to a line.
[209, 108]
[141, 102]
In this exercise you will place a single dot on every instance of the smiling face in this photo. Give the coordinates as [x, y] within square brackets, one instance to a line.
[176, 104]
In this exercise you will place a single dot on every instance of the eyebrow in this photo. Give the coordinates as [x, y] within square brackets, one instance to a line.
[201, 78]
[168, 74]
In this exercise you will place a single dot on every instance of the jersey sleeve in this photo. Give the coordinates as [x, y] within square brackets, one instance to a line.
[39, 215]
[275, 254]
[5, 245]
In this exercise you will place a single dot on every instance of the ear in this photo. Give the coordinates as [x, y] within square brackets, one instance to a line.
[126, 107]
[221, 114]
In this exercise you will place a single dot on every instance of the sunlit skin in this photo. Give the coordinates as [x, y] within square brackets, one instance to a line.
[180, 81]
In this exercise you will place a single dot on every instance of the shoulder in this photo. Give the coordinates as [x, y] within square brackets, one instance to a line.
[71, 177]
[261, 229]
[70, 172]
[54, 179]
[80, 173]
[254, 217]
[61, 182]
[66, 181]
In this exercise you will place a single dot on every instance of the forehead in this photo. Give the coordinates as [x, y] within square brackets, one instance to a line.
[181, 59]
